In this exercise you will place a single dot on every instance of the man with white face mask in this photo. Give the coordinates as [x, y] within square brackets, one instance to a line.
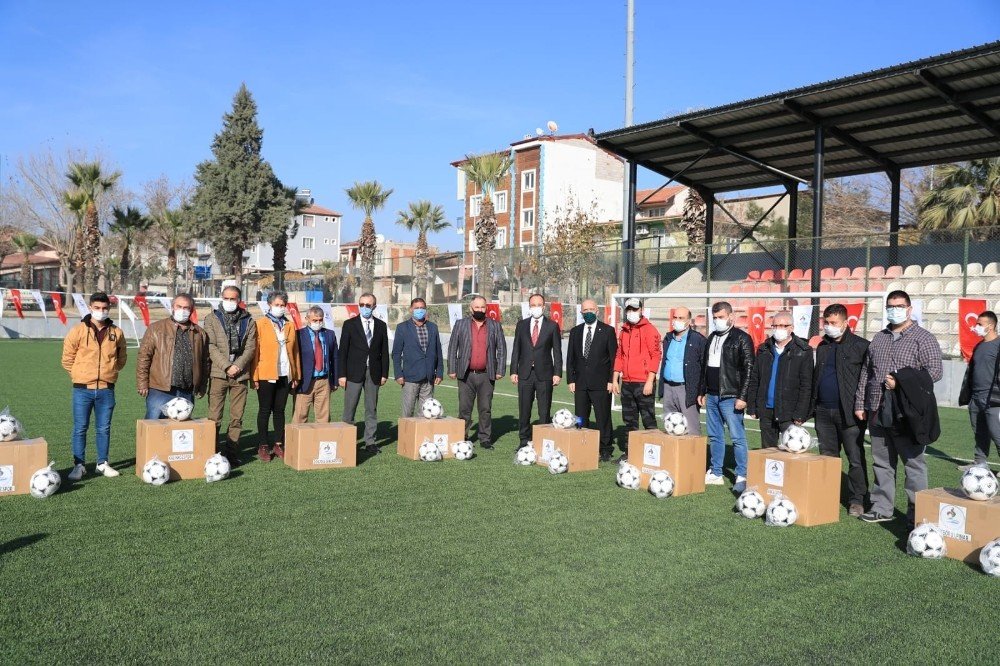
[173, 359]
[680, 373]
[981, 388]
[637, 362]
[535, 365]
[318, 360]
[232, 346]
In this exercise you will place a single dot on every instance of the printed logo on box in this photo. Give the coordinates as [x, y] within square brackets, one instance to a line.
[441, 441]
[548, 449]
[182, 441]
[774, 472]
[327, 454]
[774, 492]
[6, 478]
[651, 454]
[177, 457]
[951, 520]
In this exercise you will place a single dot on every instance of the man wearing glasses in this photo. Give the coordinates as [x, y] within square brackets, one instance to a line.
[363, 365]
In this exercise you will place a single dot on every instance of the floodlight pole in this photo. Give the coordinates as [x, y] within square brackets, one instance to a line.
[628, 187]
[817, 229]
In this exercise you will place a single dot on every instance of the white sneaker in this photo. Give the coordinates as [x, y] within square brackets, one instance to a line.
[713, 480]
[740, 485]
[107, 470]
[78, 473]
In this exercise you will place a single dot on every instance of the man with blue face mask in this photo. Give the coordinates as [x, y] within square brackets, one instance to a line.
[363, 366]
[416, 357]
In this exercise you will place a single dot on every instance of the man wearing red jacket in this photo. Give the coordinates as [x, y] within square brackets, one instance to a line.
[636, 366]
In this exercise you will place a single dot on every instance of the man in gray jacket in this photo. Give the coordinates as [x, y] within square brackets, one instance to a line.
[477, 357]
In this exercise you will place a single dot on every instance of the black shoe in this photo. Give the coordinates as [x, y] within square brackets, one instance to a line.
[622, 458]
[486, 445]
[371, 450]
[605, 457]
[875, 517]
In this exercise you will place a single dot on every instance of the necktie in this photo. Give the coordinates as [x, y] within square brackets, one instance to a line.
[318, 352]
[534, 333]
[587, 341]
[368, 331]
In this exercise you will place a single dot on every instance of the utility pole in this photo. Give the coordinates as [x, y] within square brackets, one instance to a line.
[628, 231]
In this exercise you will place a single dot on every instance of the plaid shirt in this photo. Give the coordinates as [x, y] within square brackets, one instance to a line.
[915, 347]
[422, 336]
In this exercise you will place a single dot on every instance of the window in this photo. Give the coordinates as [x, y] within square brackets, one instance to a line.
[528, 181]
[501, 238]
[307, 264]
[656, 212]
[308, 243]
[499, 202]
[475, 202]
[326, 241]
[528, 218]
[308, 221]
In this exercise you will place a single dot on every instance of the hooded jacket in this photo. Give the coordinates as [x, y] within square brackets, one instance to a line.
[639, 351]
[89, 364]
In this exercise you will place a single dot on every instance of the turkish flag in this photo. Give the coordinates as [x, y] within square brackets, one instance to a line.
[143, 305]
[968, 317]
[854, 314]
[608, 319]
[15, 295]
[194, 314]
[756, 324]
[493, 311]
[353, 310]
[556, 313]
[57, 304]
[293, 309]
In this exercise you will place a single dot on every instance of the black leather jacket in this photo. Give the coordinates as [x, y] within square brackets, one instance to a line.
[737, 361]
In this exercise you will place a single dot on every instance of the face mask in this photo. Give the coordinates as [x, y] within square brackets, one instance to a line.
[678, 325]
[895, 315]
[229, 306]
[366, 311]
[780, 334]
[316, 326]
[632, 316]
[420, 314]
[98, 315]
[980, 330]
[535, 311]
[276, 311]
[479, 316]
[589, 317]
[833, 331]
[721, 325]
[182, 315]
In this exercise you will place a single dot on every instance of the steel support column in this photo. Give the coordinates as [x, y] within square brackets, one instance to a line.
[817, 226]
[893, 216]
[628, 263]
[793, 225]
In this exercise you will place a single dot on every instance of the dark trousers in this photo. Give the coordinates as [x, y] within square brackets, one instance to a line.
[477, 387]
[770, 428]
[835, 432]
[271, 400]
[635, 405]
[600, 400]
[528, 388]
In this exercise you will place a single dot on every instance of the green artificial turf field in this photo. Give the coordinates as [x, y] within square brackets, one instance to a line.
[454, 562]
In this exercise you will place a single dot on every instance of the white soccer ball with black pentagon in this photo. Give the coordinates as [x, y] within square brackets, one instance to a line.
[564, 419]
[463, 450]
[627, 476]
[155, 472]
[429, 451]
[558, 463]
[926, 541]
[675, 423]
[781, 513]
[795, 439]
[979, 483]
[217, 468]
[10, 428]
[661, 484]
[178, 409]
[45, 482]
[989, 558]
[432, 409]
[751, 504]
[525, 455]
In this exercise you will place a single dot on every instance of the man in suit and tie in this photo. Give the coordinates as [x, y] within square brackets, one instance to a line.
[363, 365]
[318, 359]
[590, 366]
[416, 357]
[477, 358]
[535, 364]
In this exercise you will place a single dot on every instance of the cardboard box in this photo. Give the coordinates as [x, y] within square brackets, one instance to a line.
[321, 445]
[18, 461]
[184, 445]
[968, 524]
[414, 430]
[810, 481]
[581, 446]
[684, 457]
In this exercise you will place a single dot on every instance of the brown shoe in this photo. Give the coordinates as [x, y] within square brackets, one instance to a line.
[278, 451]
[263, 453]
[855, 510]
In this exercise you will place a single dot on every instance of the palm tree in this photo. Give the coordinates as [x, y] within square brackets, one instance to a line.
[424, 217]
[369, 197]
[693, 222]
[174, 235]
[25, 244]
[90, 184]
[127, 223]
[485, 172]
[963, 196]
[76, 202]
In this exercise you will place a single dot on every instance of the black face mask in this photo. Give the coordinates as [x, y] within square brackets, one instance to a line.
[479, 316]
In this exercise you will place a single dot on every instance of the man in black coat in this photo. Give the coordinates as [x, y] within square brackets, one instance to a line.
[590, 364]
[681, 369]
[363, 365]
[781, 381]
[839, 358]
[535, 364]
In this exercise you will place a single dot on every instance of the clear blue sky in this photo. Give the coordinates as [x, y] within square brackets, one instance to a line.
[396, 91]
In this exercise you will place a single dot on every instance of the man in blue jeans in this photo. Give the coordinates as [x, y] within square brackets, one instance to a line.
[724, 388]
[93, 354]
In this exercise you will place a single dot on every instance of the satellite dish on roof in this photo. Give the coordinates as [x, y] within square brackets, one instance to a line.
[552, 126]
[539, 131]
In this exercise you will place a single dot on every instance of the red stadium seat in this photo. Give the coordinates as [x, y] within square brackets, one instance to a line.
[854, 285]
[894, 272]
[876, 272]
[767, 275]
[815, 340]
[796, 274]
[827, 273]
[741, 322]
[753, 275]
[807, 274]
[842, 273]
[736, 288]
[859, 273]
[779, 274]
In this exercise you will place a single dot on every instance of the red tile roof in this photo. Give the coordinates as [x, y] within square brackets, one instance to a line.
[662, 197]
[313, 209]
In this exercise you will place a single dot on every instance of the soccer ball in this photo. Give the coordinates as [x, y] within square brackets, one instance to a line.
[525, 455]
[675, 423]
[10, 428]
[429, 452]
[751, 504]
[781, 513]
[462, 450]
[979, 483]
[795, 439]
[627, 476]
[926, 541]
[661, 484]
[564, 419]
[155, 472]
[558, 463]
[44, 482]
[178, 409]
[217, 468]
[989, 558]
[432, 409]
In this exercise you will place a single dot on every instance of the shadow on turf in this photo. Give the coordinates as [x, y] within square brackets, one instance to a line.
[21, 542]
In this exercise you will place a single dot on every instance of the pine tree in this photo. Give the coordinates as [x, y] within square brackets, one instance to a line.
[238, 201]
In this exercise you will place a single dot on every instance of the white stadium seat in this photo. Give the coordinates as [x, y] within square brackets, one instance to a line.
[974, 269]
[932, 270]
[994, 288]
[953, 270]
[936, 306]
[976, 288]
[911, 271]
[933, 287]
[939, 326]
[914, 287]
[992, 268]
[895, 285]
[953, 288]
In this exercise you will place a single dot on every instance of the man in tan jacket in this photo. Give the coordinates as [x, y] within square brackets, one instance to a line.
[93, 354]
[173, 359]
[232, 345]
